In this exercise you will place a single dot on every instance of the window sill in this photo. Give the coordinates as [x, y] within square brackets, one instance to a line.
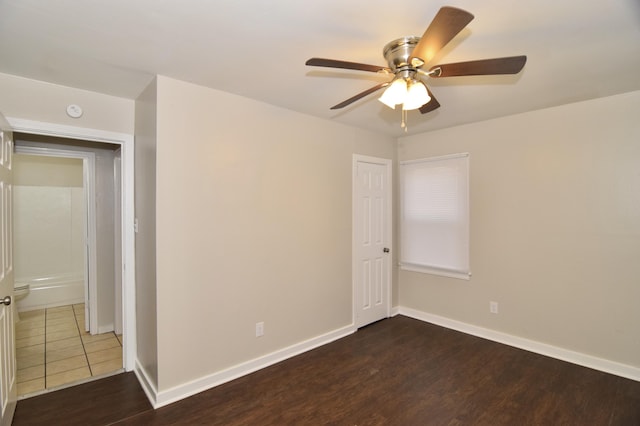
[436, 271]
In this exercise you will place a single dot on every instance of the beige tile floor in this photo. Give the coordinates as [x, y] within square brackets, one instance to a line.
[52, 349]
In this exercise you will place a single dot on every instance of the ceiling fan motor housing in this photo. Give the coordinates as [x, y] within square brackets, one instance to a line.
[397, 52]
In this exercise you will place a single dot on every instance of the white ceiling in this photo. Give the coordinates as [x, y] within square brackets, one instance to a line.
[576, 49]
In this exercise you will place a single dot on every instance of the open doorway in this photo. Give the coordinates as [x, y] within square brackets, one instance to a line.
[67, 239]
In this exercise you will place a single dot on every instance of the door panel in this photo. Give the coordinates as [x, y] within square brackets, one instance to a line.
[372, 234]
[8, 390]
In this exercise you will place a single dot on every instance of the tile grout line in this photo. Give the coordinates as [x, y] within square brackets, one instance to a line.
[78, 329]
[43, 363]
[86, 357]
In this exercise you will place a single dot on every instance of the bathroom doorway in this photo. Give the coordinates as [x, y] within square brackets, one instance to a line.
[67, 236]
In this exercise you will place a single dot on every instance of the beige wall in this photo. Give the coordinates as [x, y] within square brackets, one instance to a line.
[555, 227]
[39, 101]
[145, 208]
[107, 239]
[253, 224]
[35, 170]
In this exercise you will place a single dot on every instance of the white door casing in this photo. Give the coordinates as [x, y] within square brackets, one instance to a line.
[371, 239]
[127, 204]
[8, 381]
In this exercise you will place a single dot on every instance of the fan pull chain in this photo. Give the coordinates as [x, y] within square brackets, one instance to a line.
[403, 124]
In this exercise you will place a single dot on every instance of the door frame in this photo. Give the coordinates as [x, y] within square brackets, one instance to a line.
[126, 142]
[388, 231]
[8, 369]
[91, 260]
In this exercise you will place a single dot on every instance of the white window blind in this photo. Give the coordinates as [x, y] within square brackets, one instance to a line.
[434, 225]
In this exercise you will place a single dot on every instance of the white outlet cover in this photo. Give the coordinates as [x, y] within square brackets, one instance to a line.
[259, 329]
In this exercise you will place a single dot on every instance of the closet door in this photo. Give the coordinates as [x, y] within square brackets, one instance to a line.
[371, 239]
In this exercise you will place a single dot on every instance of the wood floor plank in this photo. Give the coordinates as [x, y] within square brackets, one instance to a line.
[101, 402]
[398, 371]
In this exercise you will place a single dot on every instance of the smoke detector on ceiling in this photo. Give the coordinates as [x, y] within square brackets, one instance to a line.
[74, 111]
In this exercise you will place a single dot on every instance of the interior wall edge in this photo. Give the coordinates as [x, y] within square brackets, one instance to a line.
[578, 358]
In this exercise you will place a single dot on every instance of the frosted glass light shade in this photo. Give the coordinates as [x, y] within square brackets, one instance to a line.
[395, 94]
[417, 96]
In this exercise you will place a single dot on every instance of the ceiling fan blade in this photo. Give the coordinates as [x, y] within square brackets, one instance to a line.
[333, 63]
[508, 65]
[448, 22]
[360, 96]
[431, 105]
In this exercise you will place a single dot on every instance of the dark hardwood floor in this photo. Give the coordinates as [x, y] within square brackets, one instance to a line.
[398, 371]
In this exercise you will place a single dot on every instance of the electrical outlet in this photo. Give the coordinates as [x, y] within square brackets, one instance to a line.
[493, 307]
[259, 329]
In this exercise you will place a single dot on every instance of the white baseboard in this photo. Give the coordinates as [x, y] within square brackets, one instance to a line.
[105, 328]
[147, 385]
[165, 397]
[607, 366]
[162, 398]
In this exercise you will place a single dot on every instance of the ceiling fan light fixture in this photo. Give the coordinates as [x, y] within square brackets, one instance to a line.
[406, 57]
[395, 94]
[417, 95]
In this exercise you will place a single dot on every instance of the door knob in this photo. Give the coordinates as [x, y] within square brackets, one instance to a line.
[386, 249]
[6, 300]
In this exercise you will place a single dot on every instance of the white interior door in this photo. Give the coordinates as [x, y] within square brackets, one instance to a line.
[371, 239]
[8, 390]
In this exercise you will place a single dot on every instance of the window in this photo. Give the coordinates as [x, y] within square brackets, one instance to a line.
[434, 215]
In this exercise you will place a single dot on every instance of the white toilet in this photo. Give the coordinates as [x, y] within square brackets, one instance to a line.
[20, 291]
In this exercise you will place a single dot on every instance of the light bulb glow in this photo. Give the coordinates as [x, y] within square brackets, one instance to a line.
[395, 94]
[417, 96]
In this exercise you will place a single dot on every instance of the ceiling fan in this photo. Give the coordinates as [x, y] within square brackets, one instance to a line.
[407, 56]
